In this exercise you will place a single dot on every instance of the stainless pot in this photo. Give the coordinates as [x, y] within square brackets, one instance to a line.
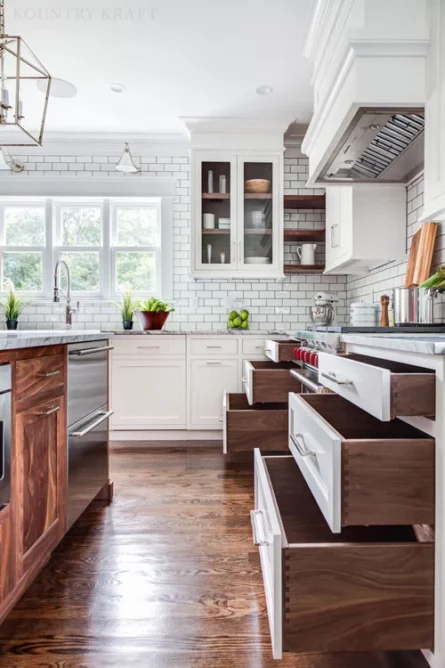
[322, 316]
[413, 306]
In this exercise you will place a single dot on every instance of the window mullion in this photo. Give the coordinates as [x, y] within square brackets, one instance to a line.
[105, 255]
[48, 253]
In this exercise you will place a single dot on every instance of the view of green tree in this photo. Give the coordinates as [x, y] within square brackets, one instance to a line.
[25, 226]
[136, 226]
[136, 271]
[81, 225]
[85, 270]
[23, 270]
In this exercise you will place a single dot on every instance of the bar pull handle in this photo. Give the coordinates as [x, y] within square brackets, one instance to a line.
[334, 379]
[302, 449]
[259, 536]
[50, 411]
[92, 425]
[91, 351]
[50, 374]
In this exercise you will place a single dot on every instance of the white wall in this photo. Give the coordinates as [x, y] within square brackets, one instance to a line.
[200, 304]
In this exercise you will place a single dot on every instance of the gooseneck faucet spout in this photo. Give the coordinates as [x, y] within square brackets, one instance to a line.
[58, 291]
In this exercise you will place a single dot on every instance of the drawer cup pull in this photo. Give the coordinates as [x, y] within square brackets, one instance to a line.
[149, 347]
[213, 346]
[213, 363]
[339, 381]
[259, 537]
[302, 449]
[47, 375]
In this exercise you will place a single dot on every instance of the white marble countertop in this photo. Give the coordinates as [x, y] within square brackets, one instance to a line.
[425, 344]
[11, 340]
[210, 332]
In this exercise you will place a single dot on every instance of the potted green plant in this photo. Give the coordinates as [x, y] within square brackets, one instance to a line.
[153, 313]
[127, 307]
[13, 306]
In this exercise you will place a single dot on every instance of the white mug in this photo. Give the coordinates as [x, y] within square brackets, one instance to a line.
[306, 253]
[209, 221]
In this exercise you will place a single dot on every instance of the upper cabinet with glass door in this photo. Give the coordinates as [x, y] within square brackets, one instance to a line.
[237, 217]
[260, 215]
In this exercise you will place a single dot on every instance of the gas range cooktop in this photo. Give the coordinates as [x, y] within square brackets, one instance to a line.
[400, 329]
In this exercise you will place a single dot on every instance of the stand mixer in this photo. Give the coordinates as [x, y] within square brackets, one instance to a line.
[323, 311]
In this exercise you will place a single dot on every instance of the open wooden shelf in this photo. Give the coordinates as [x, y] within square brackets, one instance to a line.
[257, 195]
[215, 231]
[305, 235]
[306, 269]
[215, 196]
[305, 201]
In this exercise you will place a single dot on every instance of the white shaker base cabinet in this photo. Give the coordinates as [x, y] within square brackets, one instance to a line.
[209, 380]
[149, 394]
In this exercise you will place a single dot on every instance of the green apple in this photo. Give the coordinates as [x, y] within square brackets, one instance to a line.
[237, 322]
[245, 324]
[233, 315]
[244, 315]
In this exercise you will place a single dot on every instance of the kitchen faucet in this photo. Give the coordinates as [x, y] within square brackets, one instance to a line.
[57, 290]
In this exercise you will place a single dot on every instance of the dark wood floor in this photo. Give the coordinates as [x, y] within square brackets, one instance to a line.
[166, 576]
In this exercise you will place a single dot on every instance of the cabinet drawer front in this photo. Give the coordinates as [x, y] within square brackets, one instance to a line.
[317, 450]
[280, 351]
[246, 427]
[267, 535]
[213, 346]
[382, 388]
[252, 346]
[39, 374]
[149, 345]
[269, 382]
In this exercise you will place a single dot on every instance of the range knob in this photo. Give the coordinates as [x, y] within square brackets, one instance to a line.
[297, 352]
[307, 356]
[314, 361]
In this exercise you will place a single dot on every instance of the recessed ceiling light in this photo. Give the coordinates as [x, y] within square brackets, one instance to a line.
[118, 88]
[264, 90]
[59, 88]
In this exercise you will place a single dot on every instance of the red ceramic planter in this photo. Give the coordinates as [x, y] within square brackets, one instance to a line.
[152, 320]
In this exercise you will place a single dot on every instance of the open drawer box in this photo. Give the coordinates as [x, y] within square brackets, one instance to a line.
[280, 351]
[365, 589]
[246, 427]
[269, 382]
[381, 387]
[362, 471]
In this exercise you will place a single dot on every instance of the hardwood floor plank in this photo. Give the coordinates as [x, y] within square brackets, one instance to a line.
[165, 577]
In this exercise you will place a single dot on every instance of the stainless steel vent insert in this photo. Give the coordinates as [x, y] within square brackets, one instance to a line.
[390, 142]
[384, 145]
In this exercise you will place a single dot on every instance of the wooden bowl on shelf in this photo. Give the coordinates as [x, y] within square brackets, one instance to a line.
[257, 186]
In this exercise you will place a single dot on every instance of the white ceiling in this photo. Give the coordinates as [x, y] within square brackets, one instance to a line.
[177, 58]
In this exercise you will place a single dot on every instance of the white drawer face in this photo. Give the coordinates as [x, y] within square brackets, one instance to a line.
[149, 345]
[253, 346]
[316, 448]
[247, 381]
[213, 346]
[366, 386]
[267, 534]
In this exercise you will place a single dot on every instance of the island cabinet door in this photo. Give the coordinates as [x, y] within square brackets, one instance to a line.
[41, 480]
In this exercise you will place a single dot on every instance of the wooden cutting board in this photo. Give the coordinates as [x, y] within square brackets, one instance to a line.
[421, 255]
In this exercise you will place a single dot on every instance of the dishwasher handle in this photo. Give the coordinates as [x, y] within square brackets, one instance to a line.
[91, 351]
[103, 416]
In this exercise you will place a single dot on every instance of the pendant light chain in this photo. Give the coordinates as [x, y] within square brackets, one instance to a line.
[2, 17]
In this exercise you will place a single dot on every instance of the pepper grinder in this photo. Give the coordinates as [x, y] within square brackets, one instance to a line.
[384, 316]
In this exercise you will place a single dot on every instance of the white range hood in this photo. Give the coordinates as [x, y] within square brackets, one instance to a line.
[369, 92]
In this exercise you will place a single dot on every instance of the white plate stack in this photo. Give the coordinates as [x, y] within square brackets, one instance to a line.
[362, 315]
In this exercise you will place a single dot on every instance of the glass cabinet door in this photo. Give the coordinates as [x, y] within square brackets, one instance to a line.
[217, 239]
[259, 213]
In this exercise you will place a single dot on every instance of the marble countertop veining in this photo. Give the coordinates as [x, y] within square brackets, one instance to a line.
[11, 340]
[424, 344]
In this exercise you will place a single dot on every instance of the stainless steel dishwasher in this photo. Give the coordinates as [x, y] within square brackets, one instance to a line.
[5, 434]
[88, 416]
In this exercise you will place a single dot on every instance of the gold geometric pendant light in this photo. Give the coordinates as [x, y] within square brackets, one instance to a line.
[22, 108]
